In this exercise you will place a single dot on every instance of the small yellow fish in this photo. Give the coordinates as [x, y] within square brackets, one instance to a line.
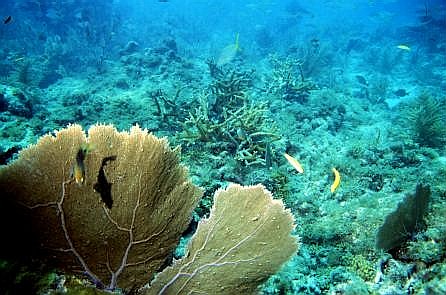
[78, 168]
[336, 181]
[294, 163]
[403, 47]
[229, 52]
[79, 172]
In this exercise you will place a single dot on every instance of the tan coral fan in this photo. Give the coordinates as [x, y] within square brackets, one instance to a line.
[245, 240]
[122, 246]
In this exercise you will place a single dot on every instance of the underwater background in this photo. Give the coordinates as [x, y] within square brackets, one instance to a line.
[352, 91]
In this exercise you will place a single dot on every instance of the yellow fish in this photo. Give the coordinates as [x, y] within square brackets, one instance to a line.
[78, 168]
[294, 163]
[336, 181]
[403, 47]
[229, 52]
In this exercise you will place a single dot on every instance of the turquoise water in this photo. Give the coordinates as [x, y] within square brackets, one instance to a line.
[353, 85]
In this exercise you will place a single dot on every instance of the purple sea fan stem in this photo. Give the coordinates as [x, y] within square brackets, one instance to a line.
[115, 275]
[87, 271]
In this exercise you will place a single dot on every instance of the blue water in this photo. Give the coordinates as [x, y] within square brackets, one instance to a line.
[207, 23]
[356, 85]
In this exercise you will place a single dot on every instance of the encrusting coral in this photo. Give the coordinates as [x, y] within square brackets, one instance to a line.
[113, 205]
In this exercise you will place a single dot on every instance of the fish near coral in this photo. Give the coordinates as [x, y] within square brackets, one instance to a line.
[103, 186]
[336, 181]
[78, 168]
[229, 52]
[361, 80]
[401, 92]
[294, 163]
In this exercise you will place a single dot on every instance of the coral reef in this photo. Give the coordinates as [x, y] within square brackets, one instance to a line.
[243, 132]
[288, 80]
[405, 221]
[426, 116]
[229, 90]
[233, 251]
[357, 90]
[116, 245]
[229, 122]
[113, 205]
[16, 102]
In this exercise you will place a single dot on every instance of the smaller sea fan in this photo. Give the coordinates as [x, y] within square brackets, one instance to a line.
[405, 220]
[427, 119]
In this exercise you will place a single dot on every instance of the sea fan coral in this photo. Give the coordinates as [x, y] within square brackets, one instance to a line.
[118, 240]
[113, 205]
